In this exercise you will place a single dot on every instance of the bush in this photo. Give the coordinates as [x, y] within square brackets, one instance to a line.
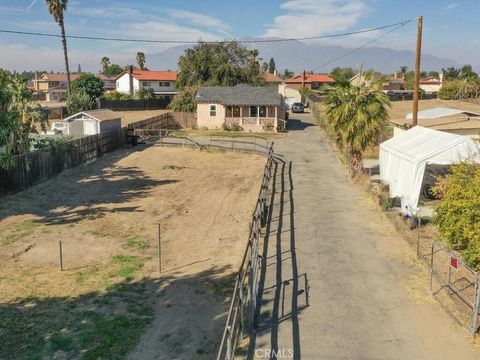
[144, 94]
[450, 89]
[79, 100]
[89, 83]
[184, 101]
[458, 214]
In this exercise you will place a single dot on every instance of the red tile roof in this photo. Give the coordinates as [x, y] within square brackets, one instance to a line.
[309, 78]
[153, 75]
[270, 78]
[430, 80]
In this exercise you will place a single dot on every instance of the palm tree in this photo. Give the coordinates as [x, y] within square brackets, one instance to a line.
[304, 93]
[105, 63]
[356, 117]
[57, 9]
[141, 60]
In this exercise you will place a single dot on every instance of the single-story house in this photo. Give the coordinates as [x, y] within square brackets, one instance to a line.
[163, 83]
[254, 108]
[309, 81]
[91, 122]
[431, 84]
[272, 79]
[454, 121]
[392, 83]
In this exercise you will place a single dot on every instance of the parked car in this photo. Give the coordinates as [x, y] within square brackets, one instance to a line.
[297, 107]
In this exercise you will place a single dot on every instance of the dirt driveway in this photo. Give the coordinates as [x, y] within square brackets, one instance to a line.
[107, 217]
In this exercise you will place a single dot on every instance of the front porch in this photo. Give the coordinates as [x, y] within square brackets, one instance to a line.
[253, 117]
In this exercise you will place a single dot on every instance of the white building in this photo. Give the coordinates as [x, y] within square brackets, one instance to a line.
[431, 84]
[92, 122]
[163, 83]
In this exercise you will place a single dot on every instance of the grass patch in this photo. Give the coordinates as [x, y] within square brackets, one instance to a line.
[128, 265]
[82, 277]
[61, 342]
[135, 243]
[19, 231]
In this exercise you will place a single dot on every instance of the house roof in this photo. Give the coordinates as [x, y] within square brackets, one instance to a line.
[430, 80]
[271, 78]
[99, 115]
[241, 94]
[59, 76]
[442, 119]
[147, 75]
[309, 78]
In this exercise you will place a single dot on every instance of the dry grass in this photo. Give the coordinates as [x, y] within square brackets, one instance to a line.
[129, 117]
[106, 215]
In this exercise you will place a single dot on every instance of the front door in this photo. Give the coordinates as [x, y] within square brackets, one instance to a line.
[89, 128]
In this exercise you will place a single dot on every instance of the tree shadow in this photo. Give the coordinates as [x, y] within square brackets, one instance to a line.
[280, 298]
[175, 316]
[89, 191]
[298, 125]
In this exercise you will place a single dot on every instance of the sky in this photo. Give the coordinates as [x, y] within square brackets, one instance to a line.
[450, 27]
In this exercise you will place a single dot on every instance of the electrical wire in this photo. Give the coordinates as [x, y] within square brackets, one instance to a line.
[252, 41]
[362, 46]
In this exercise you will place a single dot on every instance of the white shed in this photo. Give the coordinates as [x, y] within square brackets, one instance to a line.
[403, 160]
[93, 122]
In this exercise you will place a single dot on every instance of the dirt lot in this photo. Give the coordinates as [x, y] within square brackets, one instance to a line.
[106, 216]
[129, 117]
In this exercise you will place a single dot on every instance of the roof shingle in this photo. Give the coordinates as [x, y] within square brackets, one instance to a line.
[241, 94]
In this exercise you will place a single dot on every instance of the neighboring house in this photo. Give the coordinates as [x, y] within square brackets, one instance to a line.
[53, 87]
[455, 121]
[309, 81]
[92, 122]
[254, 108]
[272, 79]
[392, 83]
[163, 83]
[431, 84]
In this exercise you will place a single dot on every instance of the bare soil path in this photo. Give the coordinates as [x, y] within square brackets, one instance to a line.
[368, 295]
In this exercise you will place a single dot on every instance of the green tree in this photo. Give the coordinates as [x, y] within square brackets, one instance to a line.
[457, 214]
[287, 74]
[356, 116]
[403, 70]
[304, 92]
[91, 84]
[79, 100]
[342, 75]
[184, 100]
[450, 89]
[141, 60]
[112, 70]
[144, 94]
[57, 9]
[451, 73]
[105, 63]
[433, 74]
[272, 66]
[264, 67]
[467, 73]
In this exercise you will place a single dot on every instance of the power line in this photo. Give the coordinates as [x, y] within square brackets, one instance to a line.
[364, 45]
[398, 24]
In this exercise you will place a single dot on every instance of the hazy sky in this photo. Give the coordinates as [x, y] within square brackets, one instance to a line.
[450, 27]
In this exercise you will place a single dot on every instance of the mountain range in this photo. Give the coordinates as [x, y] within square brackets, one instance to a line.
[298, 56]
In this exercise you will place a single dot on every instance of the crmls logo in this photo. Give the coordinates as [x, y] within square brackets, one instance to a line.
[276, 354]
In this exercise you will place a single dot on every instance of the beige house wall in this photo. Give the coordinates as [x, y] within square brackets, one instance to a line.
[204, 119]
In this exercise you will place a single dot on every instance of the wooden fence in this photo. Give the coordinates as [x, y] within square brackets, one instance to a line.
[40, 165]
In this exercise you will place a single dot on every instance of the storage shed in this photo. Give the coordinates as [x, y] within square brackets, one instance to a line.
[91, 122]
[403, 160]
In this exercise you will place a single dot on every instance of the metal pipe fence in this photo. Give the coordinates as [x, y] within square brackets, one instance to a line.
[240, 318]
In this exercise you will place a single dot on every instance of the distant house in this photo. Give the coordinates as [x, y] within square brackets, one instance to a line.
[455, 121]
[392, 83]
[53, 87]
[309, 81]
[431, 84]
[272, 78]
[92, 122]
[253, 108]
[163, 83]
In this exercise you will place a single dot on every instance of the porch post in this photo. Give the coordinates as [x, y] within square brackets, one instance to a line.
[241, 115]
[258, 114]
[276, 118]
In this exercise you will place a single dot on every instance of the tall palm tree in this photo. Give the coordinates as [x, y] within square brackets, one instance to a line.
[141, 60]
[57, 9]
[356, 116]
[105, 63]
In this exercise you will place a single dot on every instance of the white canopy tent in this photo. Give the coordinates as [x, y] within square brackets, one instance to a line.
[403, 160]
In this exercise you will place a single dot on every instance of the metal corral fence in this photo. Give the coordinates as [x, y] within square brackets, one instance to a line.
[455, 285]
[240, 318]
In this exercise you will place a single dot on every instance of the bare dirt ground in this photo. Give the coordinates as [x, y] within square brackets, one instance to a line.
[129, 117]
[106, 216]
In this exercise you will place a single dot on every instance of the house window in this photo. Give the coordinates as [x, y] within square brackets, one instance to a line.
[164, 84]
[146, 83]
[315, 85]
[260, 111]
[213, 110]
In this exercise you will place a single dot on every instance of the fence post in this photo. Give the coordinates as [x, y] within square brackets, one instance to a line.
[61, 254]
[476, 305]
[229, 343]
[431, 267]
[159, 251]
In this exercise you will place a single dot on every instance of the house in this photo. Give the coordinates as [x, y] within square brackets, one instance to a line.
[92, 122]
[253, 108]
[53, 87]
[391, 84]
[163, 83]
[431, 84]
[454, 121]
[272, 79]
[309, 81]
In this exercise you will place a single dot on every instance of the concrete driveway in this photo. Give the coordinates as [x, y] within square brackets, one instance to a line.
[367, 295]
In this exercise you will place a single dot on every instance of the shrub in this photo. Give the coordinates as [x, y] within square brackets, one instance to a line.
[458, 213]
[184, 100]
[449, 90]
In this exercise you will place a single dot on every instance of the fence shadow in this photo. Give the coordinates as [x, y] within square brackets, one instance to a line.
[279, 298]
[89, 191]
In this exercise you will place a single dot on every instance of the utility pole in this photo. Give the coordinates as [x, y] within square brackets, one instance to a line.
[416, 87]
